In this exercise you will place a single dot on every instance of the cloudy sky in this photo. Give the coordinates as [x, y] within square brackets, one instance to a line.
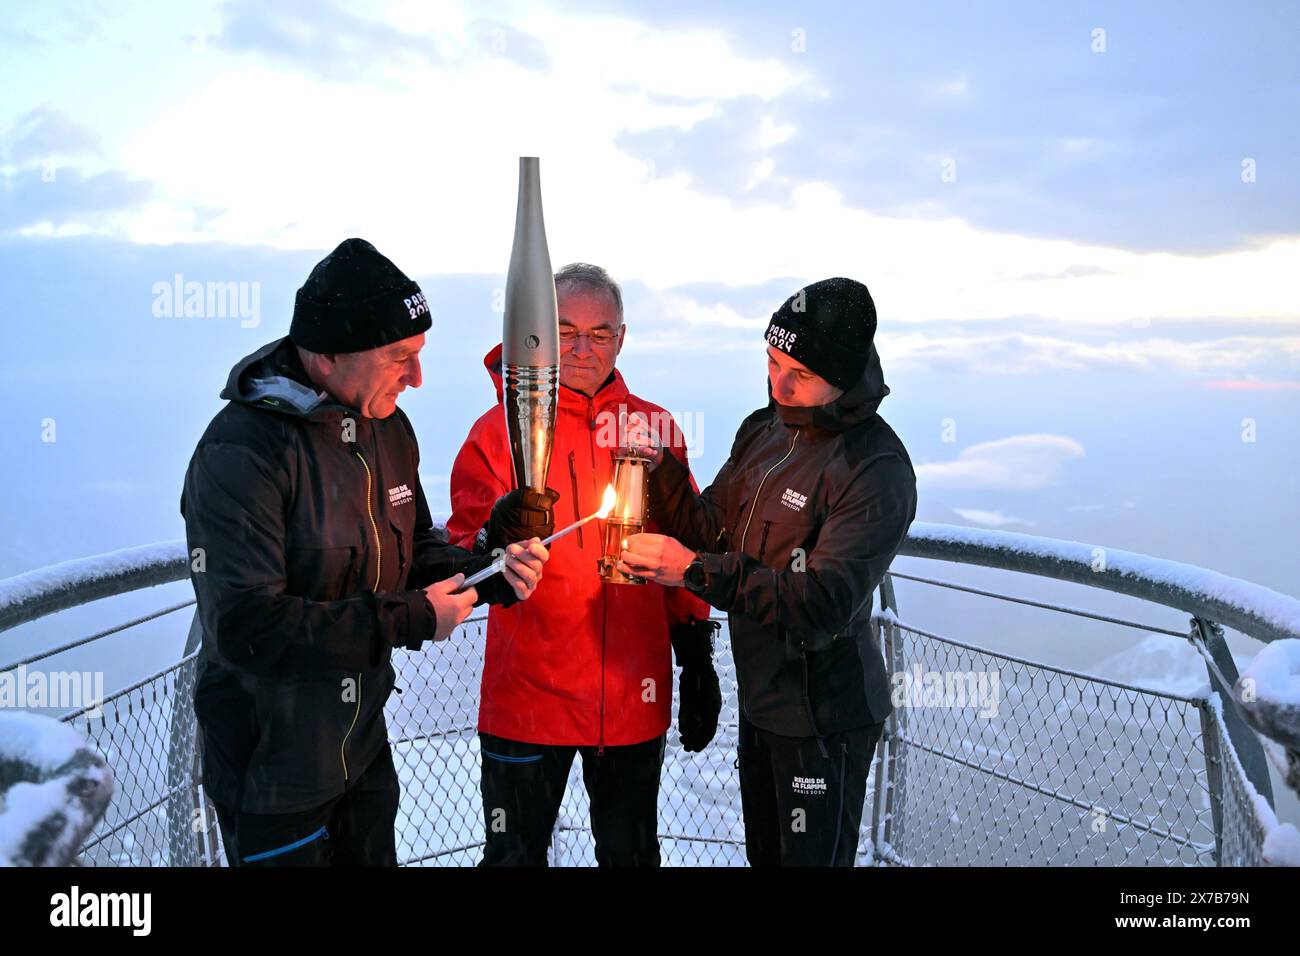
[1080, 224]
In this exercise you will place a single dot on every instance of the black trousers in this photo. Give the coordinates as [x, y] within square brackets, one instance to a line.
[803, 807]
[353, 829]
[523, 785]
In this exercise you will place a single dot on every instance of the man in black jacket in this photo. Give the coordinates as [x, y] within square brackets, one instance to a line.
[791, 539]
[313, 556]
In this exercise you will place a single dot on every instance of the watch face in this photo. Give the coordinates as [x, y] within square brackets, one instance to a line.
[694, 578]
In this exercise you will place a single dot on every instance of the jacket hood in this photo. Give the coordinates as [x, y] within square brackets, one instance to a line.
[611, 393]
[273, 379]
[855, 406]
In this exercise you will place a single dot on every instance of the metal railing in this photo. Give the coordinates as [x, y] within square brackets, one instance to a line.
[1066, 769]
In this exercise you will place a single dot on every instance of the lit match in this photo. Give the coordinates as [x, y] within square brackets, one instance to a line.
[606, 506]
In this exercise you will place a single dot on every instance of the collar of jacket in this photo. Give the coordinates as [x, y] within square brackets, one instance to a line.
[614, 392]
[854, 407]
[273, 379]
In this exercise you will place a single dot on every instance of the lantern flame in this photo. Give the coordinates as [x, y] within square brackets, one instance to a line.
[607, 502]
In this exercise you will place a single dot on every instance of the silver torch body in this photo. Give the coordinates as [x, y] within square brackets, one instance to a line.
[530, 338]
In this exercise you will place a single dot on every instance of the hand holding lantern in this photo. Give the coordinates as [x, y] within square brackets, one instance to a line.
[639, 437]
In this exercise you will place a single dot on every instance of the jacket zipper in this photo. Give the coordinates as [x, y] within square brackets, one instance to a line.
[754, 504]
[379, 558]
[591, 444]
[604, 589]
[573, 475]
[604, 614]
[803, 655]
[379, 548]
[342, 752]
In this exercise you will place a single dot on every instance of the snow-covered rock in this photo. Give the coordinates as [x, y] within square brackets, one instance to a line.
[1281, 845]
[1269, 692]
[53, 790]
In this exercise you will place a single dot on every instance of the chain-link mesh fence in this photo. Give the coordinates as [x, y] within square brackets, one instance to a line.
[1241, 833]
[1065, 769]
[146, 732]
[436, 751]
[1002, 761]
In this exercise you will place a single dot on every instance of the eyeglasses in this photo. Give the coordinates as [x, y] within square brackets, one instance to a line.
[569, 335]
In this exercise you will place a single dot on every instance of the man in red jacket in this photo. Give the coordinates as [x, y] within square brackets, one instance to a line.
[586, 666]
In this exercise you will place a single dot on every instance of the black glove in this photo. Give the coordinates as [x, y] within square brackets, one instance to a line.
[520, 515]
[701, 697]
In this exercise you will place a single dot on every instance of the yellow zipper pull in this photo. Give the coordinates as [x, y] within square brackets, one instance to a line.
[379, 547]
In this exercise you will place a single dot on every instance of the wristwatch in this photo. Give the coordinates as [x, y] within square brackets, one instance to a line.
[695, 579]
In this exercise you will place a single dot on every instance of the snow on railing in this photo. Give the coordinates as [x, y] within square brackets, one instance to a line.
[1252, 609]
[58, 587]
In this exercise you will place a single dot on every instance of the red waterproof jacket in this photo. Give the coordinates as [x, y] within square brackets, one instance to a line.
[581, 662]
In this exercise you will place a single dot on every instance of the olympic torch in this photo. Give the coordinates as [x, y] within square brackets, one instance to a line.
[530, 338]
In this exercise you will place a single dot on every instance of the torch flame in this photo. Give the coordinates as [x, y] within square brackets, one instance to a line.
[607, 502]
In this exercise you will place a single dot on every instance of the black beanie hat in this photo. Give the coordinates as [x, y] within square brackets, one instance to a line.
[356, 299]
[828, 327]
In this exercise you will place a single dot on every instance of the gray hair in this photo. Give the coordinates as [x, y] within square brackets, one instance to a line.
[584, 277]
